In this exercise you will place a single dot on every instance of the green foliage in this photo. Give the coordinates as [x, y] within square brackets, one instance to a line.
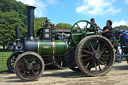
[63, 25]
[120, 27]
[12, 14]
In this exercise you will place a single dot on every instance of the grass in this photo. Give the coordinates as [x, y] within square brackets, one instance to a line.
[3, 60]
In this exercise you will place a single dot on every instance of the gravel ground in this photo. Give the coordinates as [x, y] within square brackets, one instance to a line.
[117, 76]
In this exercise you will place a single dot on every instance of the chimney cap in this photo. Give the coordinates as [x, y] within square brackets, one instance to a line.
[31, 7]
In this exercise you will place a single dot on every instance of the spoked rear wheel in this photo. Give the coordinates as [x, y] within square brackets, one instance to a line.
[29, 66]
[95, 55]
[11, 61]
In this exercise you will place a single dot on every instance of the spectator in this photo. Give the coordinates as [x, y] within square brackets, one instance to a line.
[124, 35]
[119, 51]
[107, 31]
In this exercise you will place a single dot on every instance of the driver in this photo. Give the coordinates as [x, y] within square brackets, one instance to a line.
[91, 29]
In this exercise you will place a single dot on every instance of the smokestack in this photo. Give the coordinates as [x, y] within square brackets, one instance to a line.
[17, 29]
[30, 19]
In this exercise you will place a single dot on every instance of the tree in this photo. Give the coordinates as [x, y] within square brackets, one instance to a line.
[8, 22]
[63, 25]
[12, 14]
[120, 27]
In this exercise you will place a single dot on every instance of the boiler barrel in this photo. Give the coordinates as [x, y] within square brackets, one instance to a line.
[58, 47]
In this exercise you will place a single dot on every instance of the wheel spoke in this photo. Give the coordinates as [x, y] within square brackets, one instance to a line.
[95, 44]
[85, 55]
[86, 27]
[103, 46]
[33, 71]
[103, 59]
[87, 65]
[102, 62]
[92, 64]
[77, 34]
[26, 61]
[87, 47]
[33, 60]
[79, 28]
[99, 65]
[88, 52]
[87, 59]
[98, 47]
[105, 55]
[104, 51]
[91, 46]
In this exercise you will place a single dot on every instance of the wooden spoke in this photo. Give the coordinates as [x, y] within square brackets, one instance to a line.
[103, 59]
[87, 52]
[87, 47]
[85, 55]
[33, 71]
[102, 62]
[87, 65]
[99, 65]
[98, 48]
[77, 34]
[105, 55]
[87, 59]
[91, 46]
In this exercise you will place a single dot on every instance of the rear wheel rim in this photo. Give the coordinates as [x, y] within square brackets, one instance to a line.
[11, 62]
[96, 55]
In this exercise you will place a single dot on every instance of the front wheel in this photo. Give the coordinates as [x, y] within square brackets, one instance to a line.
[95, 55]
[29, 66]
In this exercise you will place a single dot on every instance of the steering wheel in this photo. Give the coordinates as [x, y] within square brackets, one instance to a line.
[78, 32]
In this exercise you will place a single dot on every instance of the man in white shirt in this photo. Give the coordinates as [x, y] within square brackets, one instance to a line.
[119, 50]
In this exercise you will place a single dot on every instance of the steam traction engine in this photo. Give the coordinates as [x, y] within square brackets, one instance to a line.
[81, 49]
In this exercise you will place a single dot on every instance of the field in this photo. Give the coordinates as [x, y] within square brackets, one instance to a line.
[3, 60]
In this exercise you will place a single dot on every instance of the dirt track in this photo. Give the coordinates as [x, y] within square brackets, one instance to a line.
[117, 76]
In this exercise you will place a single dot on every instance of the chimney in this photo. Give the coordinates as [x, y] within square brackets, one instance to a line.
[30, 20]
[17, 29]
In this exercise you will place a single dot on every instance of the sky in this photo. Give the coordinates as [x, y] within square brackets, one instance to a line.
[71, 11]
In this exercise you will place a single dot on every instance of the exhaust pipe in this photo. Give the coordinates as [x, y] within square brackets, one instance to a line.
[30, 20]
[17, 35]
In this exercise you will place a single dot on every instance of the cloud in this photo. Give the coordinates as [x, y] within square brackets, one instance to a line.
[127, 1]
[97, 7]
[122, 22]
[39, 4]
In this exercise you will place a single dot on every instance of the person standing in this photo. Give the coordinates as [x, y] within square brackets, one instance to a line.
[119, 51]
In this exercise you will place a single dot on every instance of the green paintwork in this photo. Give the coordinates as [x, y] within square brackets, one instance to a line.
[61, 47]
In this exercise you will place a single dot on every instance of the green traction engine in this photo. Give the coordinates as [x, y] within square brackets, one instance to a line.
[80, 50]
